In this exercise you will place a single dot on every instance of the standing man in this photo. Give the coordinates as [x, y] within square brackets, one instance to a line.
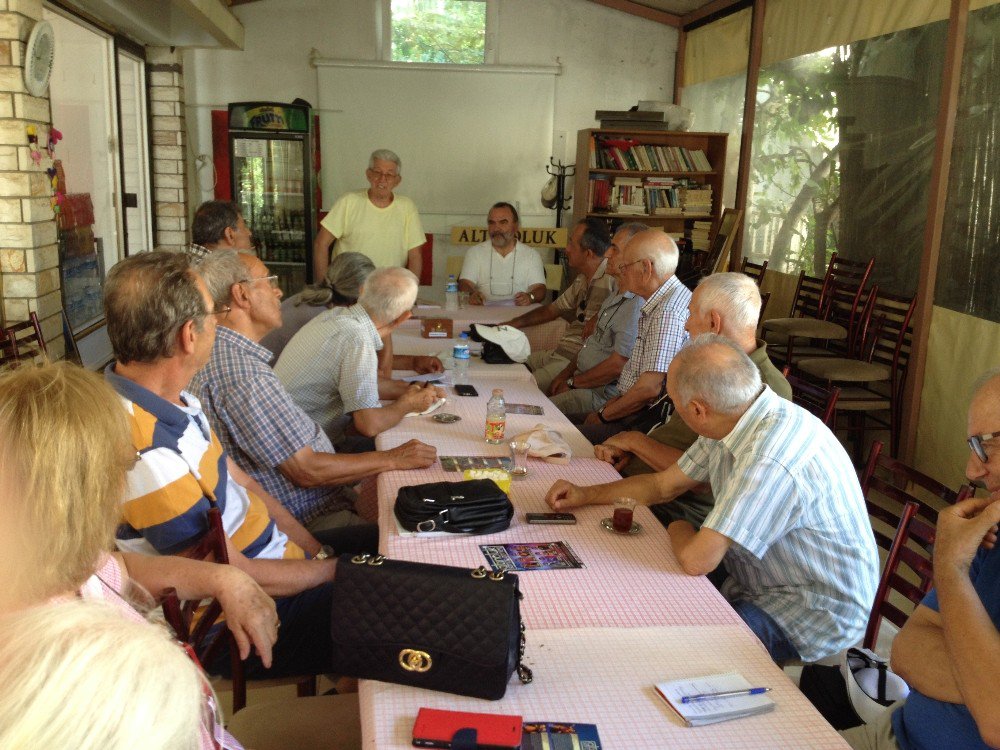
[585, 249]
[502, 268]
[591, 377]
[218, 225]
[647, 269]
[376, 222]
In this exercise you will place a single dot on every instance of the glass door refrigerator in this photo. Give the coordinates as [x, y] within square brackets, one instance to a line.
[271, 150]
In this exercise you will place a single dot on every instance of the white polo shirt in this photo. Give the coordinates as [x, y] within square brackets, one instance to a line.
[501, 277]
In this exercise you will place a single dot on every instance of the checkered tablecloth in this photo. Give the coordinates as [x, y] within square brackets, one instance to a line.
[544, 336]
[605, 676]
[409, 341]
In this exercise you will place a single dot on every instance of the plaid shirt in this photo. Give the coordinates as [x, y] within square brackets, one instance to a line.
[259, 425]
[197, 252]
[661, 332]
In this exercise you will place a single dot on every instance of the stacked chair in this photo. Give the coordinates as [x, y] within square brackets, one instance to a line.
[22, 341]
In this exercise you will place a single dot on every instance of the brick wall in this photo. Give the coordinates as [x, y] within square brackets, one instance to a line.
[166, 103]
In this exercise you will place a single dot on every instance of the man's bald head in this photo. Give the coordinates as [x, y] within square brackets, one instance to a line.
[658, 247]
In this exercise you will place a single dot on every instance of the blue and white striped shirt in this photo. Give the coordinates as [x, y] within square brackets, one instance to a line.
[788, 497]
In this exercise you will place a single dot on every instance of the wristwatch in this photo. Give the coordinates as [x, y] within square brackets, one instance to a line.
[569, 382]
[600, 416]
[325, 552]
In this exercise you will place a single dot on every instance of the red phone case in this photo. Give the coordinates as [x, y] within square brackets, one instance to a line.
[435, 728]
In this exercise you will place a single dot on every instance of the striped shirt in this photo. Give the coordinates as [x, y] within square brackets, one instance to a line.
[661, 332]
[180, 473]
[788, 497]
[259, 425]
[330, 367]
[581, 301]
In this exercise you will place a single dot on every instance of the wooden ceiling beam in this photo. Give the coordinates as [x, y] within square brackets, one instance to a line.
[714, 8]
[635, 9]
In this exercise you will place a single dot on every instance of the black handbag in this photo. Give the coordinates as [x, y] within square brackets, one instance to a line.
[431, 626]
[475, 506]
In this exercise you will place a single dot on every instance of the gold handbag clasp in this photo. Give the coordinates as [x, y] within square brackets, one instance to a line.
[415, 661]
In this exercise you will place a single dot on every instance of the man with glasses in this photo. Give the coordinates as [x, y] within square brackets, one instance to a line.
[647, 270]
[259, 425]
[502, 268]
[375, 222]
[218, 225]
[585, 249]
[949, 650]
[591, 378]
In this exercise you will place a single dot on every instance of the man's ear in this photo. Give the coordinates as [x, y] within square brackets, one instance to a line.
[229, 236]
[699, 408]
[239, 296]
[402, 318]
[716, 321]
[186, 336]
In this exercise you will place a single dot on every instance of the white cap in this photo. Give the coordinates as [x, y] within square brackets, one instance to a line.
[513, 342]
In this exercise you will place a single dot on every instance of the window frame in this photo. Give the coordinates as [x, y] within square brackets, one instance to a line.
[383, 34]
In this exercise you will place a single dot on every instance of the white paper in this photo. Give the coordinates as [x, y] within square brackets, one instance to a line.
[433, 407]
[444, 378]
[716, 709]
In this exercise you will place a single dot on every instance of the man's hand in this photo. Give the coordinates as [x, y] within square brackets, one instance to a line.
[613, 455]
[523, 298]
[423, 364]
[418, 397]
[961, 530]
[250, 613]
[592, 418]
[412, 455]
[476, 298]
[558, 385]
[562, 495]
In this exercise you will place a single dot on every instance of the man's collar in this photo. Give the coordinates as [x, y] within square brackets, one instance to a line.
[748, 422]
[660, 294]
[159, 407]
[231, 337]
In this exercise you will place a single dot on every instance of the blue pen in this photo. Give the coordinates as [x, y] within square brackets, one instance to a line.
[724, 694]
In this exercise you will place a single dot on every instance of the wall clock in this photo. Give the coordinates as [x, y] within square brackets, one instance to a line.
[38, 57]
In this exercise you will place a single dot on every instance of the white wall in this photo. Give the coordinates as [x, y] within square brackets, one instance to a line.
[609, 60]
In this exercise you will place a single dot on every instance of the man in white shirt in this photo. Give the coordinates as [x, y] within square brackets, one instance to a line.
[502, 268]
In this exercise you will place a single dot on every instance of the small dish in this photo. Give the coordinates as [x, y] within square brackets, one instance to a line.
[608, 526]
[446, 418]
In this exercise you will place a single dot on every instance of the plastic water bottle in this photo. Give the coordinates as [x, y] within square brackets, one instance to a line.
[496, 418]
[460, 353]
[451, 294]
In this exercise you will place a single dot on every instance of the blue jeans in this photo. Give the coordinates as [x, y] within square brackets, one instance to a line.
[765, 628]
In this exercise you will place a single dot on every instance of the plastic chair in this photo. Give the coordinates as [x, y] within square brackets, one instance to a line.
[755, 271]
[820, 401]
[25, 339]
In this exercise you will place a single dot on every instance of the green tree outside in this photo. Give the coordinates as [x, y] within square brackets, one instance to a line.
[439, 31]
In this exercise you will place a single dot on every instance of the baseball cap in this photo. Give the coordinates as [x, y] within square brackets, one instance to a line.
[512, 345]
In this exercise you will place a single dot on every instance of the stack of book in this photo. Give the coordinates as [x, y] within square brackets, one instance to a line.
[698, 201]
[628, 197]
[599, 194]
[663, 197]
[699, 235]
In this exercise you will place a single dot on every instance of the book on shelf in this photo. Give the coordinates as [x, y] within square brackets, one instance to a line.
[699, 709]
[699, 234]
[628, 154]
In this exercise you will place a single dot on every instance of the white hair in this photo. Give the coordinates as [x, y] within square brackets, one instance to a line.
[735, 297]
[716, 371]
[384, 154]
[664, 258]
[80, 675]
[387, 293]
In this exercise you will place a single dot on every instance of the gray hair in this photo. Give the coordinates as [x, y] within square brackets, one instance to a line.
[735, 297]
[388, 293]
[147, 298]
[384, 154]
[631, 229]
[713, 369]
[220, 270]
[665, 259]
[342, 283]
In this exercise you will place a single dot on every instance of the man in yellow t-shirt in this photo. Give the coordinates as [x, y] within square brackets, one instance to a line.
[374, 222]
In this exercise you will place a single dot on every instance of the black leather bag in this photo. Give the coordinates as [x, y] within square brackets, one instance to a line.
[431, 626]
[475, 506]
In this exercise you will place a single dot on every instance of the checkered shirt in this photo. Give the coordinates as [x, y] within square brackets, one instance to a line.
[259, 425]
[788, 497]
[661, 332]
[197, 252]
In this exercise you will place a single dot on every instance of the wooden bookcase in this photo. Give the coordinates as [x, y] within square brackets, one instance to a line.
[712, 144]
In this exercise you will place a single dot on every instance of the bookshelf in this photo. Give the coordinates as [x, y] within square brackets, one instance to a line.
[662, 178]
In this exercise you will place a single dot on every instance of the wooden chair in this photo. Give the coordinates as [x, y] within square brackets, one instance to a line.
[820, 401]
[427, 256]
[755, 271]
[198, 631]
[25, 339]
[805, 304]
[764, 299]
[6, 351]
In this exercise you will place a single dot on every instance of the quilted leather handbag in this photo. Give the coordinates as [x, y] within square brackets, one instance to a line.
[475, 506]
[431, 626]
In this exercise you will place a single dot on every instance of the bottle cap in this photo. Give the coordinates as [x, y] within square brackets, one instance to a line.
[498, 391]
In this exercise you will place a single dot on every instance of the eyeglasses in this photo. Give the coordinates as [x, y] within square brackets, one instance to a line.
[976, 444]
[383, 175]
[623, 266]
[224, 310]
[272, 280]
[583, 309]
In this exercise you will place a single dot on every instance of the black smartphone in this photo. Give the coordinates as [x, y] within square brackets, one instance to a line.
[566, 518]
[464, 389]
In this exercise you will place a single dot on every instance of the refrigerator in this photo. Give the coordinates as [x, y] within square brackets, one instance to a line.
[274, 159]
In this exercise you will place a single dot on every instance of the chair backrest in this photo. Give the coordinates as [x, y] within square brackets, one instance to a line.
[755, 271]
[26, 339]
[6, 351]
[554, 276]
[843, 295]
[808, 293]
[817, 399]
[764, 299]
[427, 256]
[888, 337]
[453, 265]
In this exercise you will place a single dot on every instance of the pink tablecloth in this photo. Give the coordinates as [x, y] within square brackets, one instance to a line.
[544, 336]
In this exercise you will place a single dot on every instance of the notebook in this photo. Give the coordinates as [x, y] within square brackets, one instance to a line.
[433, 407]
[703, 712]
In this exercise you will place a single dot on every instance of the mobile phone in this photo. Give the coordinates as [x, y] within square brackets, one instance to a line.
[464, 389]
[566, 518]
[437, 728]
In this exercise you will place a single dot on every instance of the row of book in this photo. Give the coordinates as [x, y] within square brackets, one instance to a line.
[650, 197]
[629, 155]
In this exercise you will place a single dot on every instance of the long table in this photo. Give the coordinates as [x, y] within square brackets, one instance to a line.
[544, 336]
[600, 637]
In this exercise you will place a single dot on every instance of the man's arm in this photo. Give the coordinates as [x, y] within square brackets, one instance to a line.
[307, 468]
[475, 296]
[284, 520]
[921, 658]
[284, 577]
[646, 389]
[415, 260]
[699, 552]
[655, 454]
[321, 252]
[419, 363]
[604, 372]
[535, 317]
[535, 293]
[417, 397]
[645, 489]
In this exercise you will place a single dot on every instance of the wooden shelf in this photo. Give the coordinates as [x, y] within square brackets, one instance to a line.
[642, 173]
[611, 215]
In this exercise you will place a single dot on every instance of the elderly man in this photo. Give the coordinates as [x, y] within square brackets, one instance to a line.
[218, 225]
[647, 270]
[949, 649]
[161, 322]
[789, 518]
[502, 268]
[727, 304]
[591, 377]
[330, 367]
[259, 425]
[376, 222]
[582, 300]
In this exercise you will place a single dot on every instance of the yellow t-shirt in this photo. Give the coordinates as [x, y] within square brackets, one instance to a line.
[383, 234]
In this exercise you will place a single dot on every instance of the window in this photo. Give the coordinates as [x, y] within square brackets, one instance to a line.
[439, 31]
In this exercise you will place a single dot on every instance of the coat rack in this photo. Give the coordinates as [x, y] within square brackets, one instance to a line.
[560, 171]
